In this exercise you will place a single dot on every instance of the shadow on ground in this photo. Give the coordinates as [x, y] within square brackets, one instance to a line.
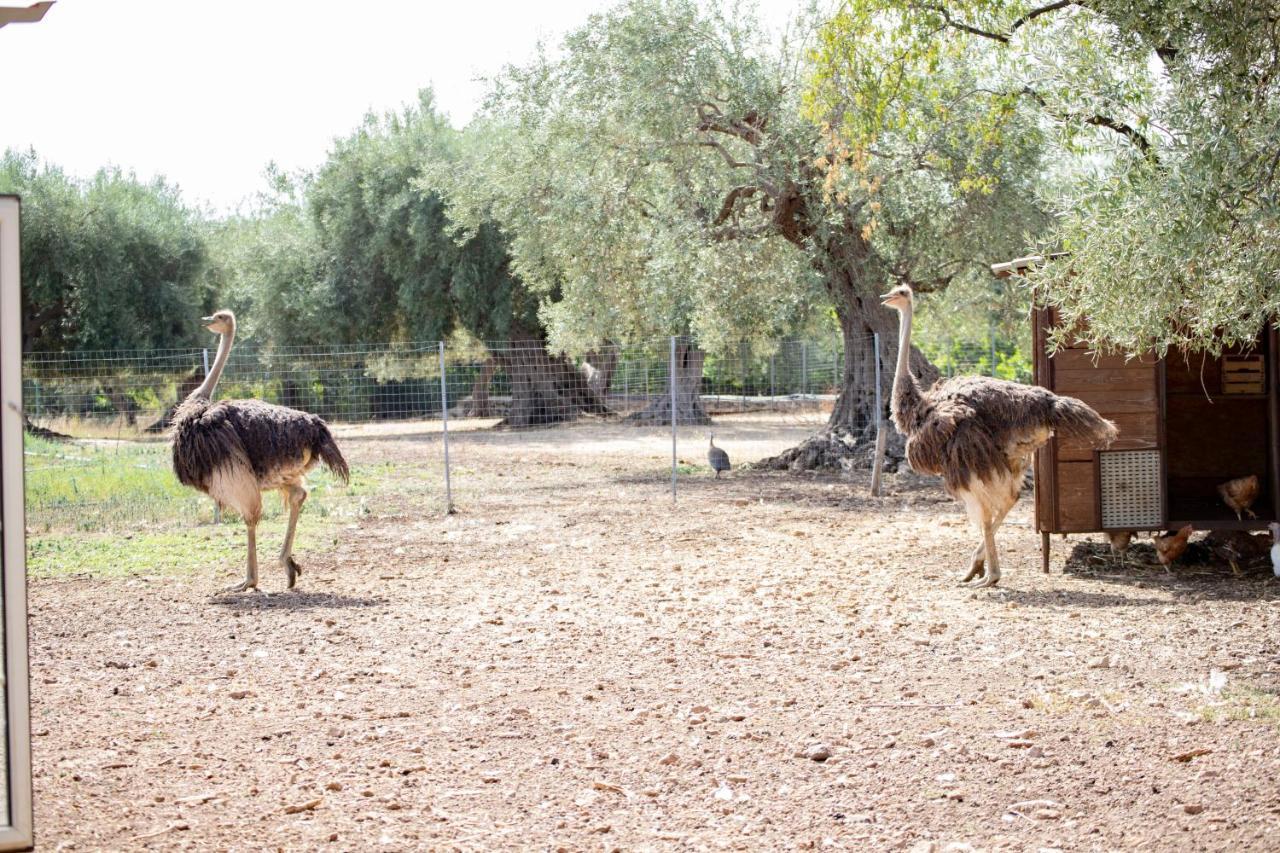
[260, 601]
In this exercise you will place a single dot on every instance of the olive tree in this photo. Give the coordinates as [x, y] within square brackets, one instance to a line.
[664, 174]
[1164, 116]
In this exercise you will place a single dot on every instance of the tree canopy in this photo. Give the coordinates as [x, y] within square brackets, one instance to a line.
[362, 250]
[110, 262]
[1164, 116]
[665, 174]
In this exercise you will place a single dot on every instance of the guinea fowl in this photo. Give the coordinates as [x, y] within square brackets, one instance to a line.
[233, 450]
[978, 434]
[718, 458]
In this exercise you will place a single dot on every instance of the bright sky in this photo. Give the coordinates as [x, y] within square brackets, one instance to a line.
[206, 93]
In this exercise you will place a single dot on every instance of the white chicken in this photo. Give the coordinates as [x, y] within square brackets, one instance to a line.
[1275, 549]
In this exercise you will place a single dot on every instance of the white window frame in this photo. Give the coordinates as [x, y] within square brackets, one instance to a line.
[17, 832]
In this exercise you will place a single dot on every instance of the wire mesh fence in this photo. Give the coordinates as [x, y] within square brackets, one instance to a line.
[118, 405]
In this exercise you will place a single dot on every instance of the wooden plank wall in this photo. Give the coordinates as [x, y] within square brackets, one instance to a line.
[1124, 390]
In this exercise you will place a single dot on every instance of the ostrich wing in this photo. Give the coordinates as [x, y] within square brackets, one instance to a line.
[957, 444]
[204, 441]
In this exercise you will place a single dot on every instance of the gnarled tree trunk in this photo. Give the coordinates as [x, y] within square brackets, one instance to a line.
[597, 369]
[847, 439]
[688, 376]
[545, 388]
[478, 405]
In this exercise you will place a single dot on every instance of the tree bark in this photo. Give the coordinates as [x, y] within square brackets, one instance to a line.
[688, 374]
[597, 370]
[479, 406]
[545, 388]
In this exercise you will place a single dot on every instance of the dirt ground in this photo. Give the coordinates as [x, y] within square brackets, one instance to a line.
[570, 662]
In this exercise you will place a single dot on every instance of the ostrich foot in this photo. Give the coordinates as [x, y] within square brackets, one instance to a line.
[977, 570]
[244, 586]
[984, 580]
[292, 571]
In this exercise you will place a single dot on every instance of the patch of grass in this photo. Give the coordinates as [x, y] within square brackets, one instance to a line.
[156, 552]
[1243, 704]
[88, 485]
[115, 508]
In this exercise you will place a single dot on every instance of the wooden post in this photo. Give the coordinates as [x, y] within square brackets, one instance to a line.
[1044, 551]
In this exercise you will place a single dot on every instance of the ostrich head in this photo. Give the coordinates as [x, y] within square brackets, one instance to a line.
[221, 323]
[899, 298]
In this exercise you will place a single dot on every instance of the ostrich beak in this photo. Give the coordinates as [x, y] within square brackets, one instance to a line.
[886, 298]
[206, 320]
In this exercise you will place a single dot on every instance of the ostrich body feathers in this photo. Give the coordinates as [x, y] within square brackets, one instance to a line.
[277, 444]
[974, 427]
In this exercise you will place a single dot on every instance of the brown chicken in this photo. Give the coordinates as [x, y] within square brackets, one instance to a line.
[1172, 545]
[1239, 494]
[1120, 540]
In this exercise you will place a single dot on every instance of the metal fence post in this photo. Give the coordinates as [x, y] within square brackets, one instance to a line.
[671, 382]
[444, 411]
[742, 357]
[882, 428]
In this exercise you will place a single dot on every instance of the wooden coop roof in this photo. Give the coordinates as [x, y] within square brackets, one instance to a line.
[1017, 266]
[24, 14]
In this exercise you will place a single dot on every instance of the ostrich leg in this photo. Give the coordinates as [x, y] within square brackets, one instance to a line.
[978, 566]
[1004, 495]
[992, 575]
[294, 496]
[251, 574]
[978, 563]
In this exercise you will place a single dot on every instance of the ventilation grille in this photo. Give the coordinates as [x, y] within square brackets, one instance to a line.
[1130, 485]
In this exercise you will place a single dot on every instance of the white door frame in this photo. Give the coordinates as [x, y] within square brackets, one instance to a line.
[16, 826]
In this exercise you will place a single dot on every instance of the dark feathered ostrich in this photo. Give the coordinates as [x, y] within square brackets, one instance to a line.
[978, 434]
[233, 450]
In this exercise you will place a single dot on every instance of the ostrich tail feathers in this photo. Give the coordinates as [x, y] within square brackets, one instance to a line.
[327, 449]
[1070, 418]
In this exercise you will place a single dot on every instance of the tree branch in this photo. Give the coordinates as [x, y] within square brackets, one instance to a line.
[1097, 120]
[731, 201]
[1124, 130]
[1007, 35]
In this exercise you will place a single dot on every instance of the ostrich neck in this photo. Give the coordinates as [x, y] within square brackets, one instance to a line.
[906, 393]
[211, 380]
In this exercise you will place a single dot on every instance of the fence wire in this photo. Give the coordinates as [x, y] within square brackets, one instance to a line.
[117, 406]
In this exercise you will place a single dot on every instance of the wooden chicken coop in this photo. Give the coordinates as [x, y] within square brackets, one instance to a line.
[1188, 423]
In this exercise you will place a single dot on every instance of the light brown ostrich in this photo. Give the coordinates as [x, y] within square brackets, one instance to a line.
[233, 450]
[978, 434]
